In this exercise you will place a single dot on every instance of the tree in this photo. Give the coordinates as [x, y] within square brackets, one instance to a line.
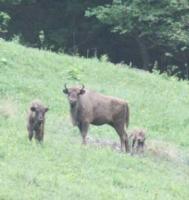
[4, 16]
[156, 26]
[143, 32]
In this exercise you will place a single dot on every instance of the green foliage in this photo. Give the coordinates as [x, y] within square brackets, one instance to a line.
[138, 31]
[164, 22]
[74, 73]
[4, 19]
[104, 58]
[41, 38]
[155, 25]
[17, 1]
[17, 39]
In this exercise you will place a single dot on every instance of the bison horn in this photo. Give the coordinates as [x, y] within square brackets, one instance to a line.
[65, 86]
[82, 87]
[66, 89]
[82, 91]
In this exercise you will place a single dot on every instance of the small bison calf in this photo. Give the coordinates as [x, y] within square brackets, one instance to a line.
[137, 137]
[36, 120]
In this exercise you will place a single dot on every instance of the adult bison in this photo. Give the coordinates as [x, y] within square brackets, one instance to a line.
[89, 107]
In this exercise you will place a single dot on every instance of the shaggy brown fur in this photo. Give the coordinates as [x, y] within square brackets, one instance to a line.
[36, 120]
[137, 137]
[89, 107]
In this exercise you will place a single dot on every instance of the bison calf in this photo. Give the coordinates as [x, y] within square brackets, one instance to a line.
[36, 120]
[89, 107]
[137, 138]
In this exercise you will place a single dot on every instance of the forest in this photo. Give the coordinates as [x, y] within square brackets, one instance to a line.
[146, 34]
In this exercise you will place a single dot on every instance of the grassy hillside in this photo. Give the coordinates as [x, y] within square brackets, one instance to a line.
[63, 169]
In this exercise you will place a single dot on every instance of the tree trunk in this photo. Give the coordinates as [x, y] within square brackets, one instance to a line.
[144, 54]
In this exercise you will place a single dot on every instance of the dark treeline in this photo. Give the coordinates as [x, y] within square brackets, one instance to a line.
[147, 34]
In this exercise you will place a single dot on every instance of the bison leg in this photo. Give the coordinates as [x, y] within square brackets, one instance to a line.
[123, 138]
[38, 136]
[125, 141]
[83, 127]
[140, 148]
[39, 133]
[30, 134]
[41, 136]
[133, 146]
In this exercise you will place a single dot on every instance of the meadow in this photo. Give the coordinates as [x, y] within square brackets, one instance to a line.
[62, 168]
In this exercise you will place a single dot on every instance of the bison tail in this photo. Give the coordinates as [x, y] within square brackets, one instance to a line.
[127, 115]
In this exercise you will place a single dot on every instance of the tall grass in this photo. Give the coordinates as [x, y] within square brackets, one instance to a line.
[63, 169]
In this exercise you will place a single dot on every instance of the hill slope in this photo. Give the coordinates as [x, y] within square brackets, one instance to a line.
[61, 168]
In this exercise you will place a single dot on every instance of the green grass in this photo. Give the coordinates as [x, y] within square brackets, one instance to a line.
[63, 169]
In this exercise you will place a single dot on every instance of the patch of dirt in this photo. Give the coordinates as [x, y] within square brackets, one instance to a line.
[100, 143]
[155, 148]
[7, 108]
[166, 151]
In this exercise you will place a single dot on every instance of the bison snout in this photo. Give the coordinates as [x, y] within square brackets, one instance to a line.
[72, 101]
[40, 120]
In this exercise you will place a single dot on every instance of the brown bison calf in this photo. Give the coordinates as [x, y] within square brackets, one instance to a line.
[90, 107]
[36, 120]
[137, 137]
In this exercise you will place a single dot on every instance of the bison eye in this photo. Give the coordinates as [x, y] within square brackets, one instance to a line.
[33, 108]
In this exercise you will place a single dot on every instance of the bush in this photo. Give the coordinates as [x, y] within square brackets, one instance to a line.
[4, 20]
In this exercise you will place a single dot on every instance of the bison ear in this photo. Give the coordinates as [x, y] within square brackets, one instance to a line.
[46, 109]
[65, 91]
[33, 108]
[82, 91]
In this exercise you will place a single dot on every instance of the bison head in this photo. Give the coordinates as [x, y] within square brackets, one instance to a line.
[39, 113]
[73, 94]
[140, 138]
